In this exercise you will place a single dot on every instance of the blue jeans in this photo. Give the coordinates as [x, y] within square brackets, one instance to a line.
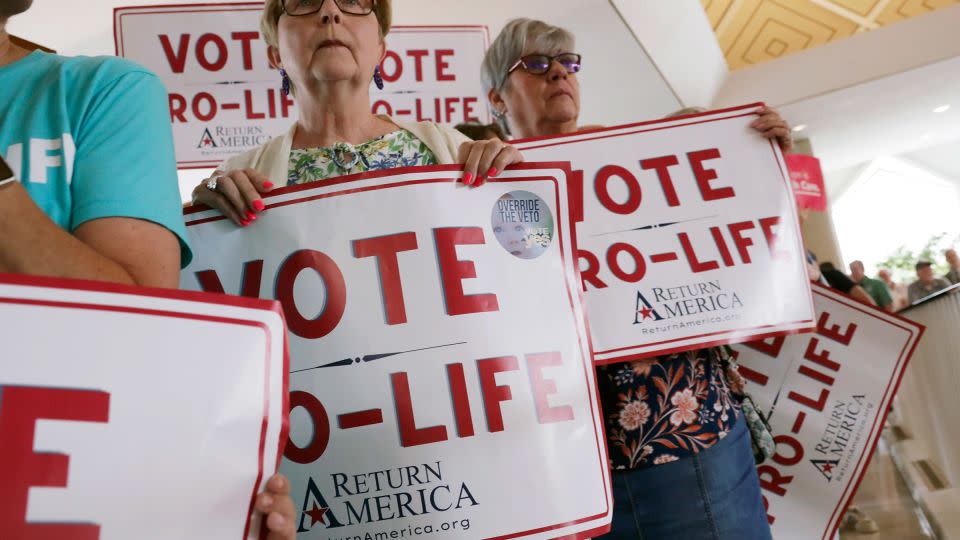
[712, 495]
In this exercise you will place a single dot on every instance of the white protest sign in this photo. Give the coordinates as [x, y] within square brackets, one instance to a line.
[433, 73]
[441, 375]
[119, 405]
[225, 98]
[689, 235]
[828, 394]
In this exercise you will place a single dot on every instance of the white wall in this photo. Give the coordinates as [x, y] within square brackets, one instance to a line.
[677, 37]
[619, 83]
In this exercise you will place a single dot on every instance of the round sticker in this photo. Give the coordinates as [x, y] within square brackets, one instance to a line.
[523, 224]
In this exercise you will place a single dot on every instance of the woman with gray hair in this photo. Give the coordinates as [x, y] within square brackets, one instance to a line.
[679, 446]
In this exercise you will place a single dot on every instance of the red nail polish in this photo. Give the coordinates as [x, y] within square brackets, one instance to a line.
[480, 180]
[258, 204]
[244, 222]
[492, 172]
[268, 185]
[468, 178]
[251, 216]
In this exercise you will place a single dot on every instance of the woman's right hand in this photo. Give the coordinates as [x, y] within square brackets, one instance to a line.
[236, 194]
[486, 158]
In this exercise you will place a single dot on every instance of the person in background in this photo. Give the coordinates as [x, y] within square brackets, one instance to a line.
[953, 260]
[479, 132]
[839, 281]
[926, 283]
[897, 290]
[680, 450]
[327, 52]
[874, 287]
[90, 141]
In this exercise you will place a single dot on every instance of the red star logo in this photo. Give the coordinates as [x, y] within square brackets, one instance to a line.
[317, 514]
[647, 313]
[207, 142]
[828, 468]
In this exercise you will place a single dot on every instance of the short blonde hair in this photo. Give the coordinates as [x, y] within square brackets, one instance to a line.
[272, 9]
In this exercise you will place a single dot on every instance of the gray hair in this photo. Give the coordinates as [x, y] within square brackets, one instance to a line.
[519, 37]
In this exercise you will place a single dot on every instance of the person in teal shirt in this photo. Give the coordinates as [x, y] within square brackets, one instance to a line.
[90, 141]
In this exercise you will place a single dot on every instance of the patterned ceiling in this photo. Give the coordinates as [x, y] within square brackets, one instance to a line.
[754, 31]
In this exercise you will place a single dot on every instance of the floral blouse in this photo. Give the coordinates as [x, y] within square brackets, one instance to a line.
[397, 149]
[658, 410]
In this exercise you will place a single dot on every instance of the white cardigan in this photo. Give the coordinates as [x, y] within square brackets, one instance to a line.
[272, 159]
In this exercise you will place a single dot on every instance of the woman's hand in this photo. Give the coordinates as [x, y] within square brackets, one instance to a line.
[772, 126]
[236, 194]
[482, 159]
[277, 508]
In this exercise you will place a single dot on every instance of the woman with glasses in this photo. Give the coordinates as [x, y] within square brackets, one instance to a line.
[680, 449]
[327, 52]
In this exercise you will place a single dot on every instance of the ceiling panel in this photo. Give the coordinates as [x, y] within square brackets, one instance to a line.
[755, 31]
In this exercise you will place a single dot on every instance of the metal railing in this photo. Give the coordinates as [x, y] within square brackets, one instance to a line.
[927, 412]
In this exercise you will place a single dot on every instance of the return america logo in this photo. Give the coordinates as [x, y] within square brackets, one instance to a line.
[383, 495]
[684, 301]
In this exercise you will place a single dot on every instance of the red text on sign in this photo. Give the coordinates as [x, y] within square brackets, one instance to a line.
[210, 51]
[392, 66]
[204, 106]
[21, 467]
[384, 252]
[494, 396]
[818, 365]
[701, 253]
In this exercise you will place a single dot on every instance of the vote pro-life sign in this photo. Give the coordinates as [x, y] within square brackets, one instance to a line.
[441, 379]
[130, 412]
[826, 394]
[226, 99]
[689, 235]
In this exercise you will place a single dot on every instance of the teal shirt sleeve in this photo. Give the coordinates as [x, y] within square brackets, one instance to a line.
[125, 164]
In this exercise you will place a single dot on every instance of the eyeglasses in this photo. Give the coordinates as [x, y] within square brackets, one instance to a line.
[538, 64]
[296, 8]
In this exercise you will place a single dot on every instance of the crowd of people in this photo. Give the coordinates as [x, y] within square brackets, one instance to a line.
[883, 291]
[108, 209]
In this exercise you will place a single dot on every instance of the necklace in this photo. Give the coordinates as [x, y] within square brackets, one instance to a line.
[345, 155]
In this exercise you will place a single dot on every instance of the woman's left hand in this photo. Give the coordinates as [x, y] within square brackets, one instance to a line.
[277, 508]
[772, 126]
[482, 159]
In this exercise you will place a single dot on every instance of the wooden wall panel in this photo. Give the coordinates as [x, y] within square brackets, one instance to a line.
[753, 31]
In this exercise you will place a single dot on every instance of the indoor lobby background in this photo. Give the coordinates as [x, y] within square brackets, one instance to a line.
[871, 88]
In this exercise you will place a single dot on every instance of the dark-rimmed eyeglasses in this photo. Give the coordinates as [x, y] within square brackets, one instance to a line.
[538, 64]
[297, 8]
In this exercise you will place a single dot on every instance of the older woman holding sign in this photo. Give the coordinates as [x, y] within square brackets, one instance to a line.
[327, 53]
[663, 487]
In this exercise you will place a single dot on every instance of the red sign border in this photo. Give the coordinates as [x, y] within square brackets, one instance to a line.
[190, 296]
[737, 336]
[588, 366]
[121, 11]
[916, 332]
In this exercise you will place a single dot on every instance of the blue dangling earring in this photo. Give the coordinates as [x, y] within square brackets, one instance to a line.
[285, 84]
[377, 79]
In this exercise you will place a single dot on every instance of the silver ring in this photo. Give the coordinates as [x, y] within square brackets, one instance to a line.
[212, 183]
